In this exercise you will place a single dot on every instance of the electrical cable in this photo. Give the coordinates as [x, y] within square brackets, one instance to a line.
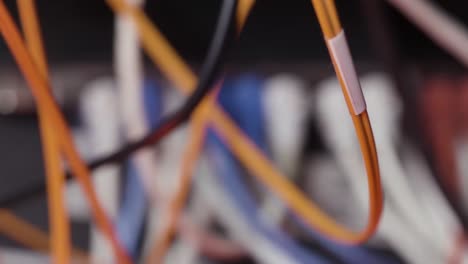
[99, 102]
[206, 242]
[286, 126]
[175, 65]
[24, 233]
[180, 74]
[39, 88]
[135, 96]
[239, 101]
[414, 204]
[439, 26]
[191, 154]
[55, 174]
[135, 199]
[199, 121]
[231, 181]
[211, 68]
[129, 72]
[209, 71]
[225, 210]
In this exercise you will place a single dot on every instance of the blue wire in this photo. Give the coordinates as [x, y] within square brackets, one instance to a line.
[246, 90]
[246, 109]
[229, 172]
[245, 93]
[132, 213]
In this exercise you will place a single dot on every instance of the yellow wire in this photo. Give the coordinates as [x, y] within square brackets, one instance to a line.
[180, 74]
[58, 219]
[39, 88]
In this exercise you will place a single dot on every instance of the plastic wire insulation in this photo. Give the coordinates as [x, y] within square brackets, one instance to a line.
[135, 97]
[330, 25]
[162, 53]
[243, 102]
[41, 92]
[172, 66]
[209, 71]
[17, 229]
[442, 28]
[245, 149]
[98, 102]
[231, 181]
[224, 209]
[191, 154]
[238, 102]
[135, 202]
[55, 174]
[204, 86]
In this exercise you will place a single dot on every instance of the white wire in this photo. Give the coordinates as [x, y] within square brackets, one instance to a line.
[261, 248]
[445, 222]
[185, 250]
[396, 225]
[323, 179]
[285, 124]
[77, 206]
[98, 106]
[165, 184]
[442, 28]
[129, 69]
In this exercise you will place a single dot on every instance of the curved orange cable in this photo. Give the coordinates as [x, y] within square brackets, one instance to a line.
[191, 154]
[41, 92]
[58, 219]
[170, 63]
[331, 26]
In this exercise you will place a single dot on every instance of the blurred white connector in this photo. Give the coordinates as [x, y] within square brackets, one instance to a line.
[402, 224]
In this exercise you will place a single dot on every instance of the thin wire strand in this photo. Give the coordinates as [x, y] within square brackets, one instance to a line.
[179, 73]
[58, 219]
[40, 91]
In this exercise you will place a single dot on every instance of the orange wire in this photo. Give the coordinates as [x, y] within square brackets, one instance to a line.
[192, 152]
[41, 92]
[28, 235]
[152, 40]
[331, 26]
[170, 63]
[58, 219]
[198, 127]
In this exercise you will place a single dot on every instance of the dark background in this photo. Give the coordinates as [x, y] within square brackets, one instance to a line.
[280, 32]
[82, 30]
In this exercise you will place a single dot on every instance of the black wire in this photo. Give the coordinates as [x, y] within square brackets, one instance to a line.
[224, 34]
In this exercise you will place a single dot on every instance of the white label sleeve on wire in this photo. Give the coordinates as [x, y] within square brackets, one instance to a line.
[339, 49]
